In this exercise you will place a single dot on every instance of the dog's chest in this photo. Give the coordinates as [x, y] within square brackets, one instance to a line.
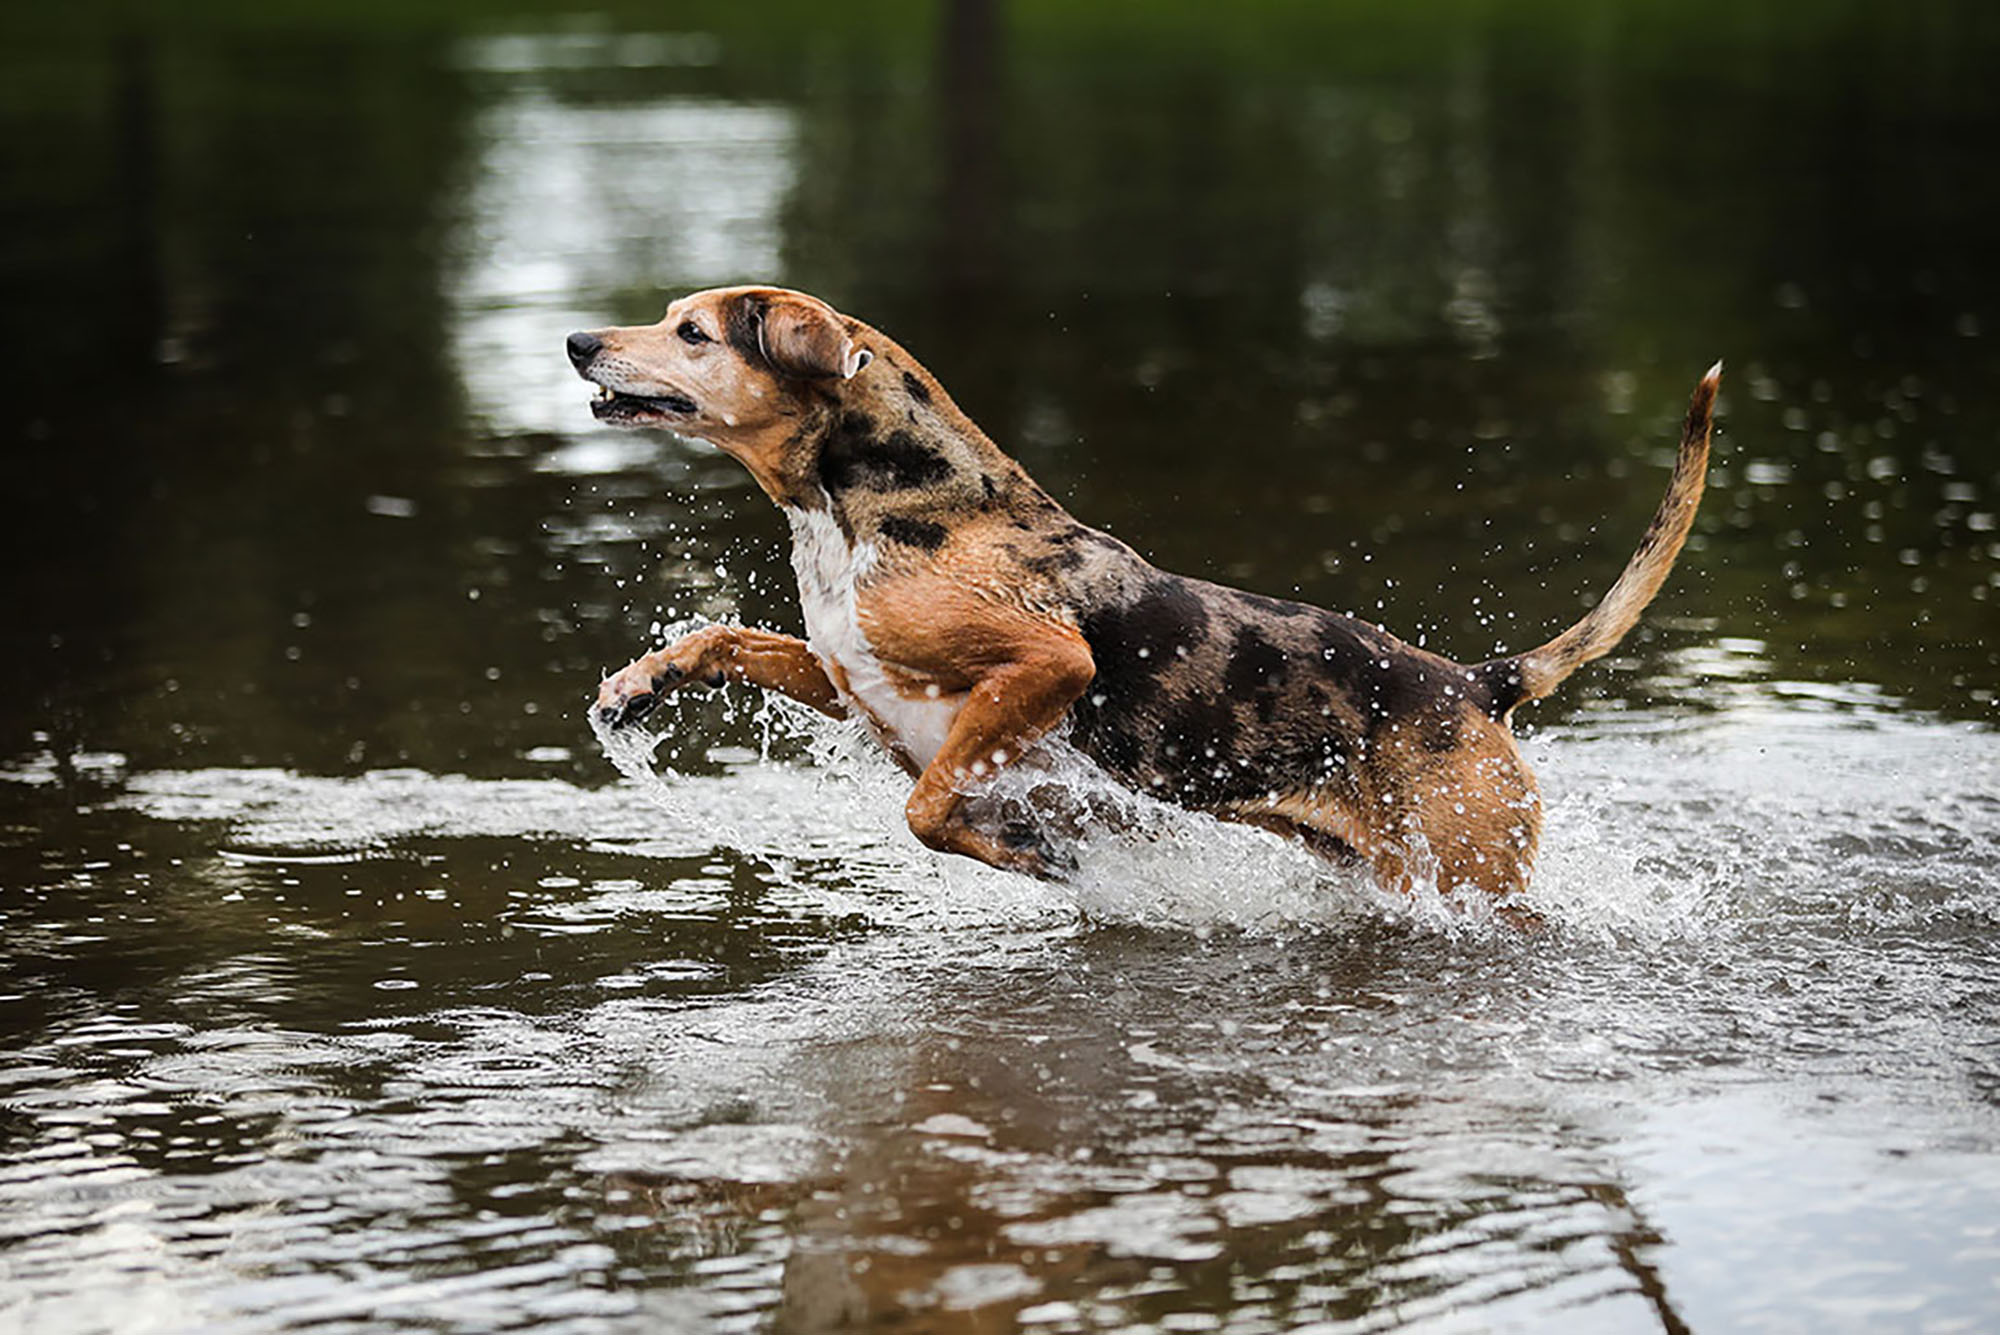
[830, 570]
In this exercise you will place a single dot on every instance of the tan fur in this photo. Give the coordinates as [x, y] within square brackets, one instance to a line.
[1544, 669]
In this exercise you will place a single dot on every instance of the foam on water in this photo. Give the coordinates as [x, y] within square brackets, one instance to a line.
[1740, 821]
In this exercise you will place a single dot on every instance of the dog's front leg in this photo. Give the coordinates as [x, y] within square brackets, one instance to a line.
[1006, 712]
[711, 656]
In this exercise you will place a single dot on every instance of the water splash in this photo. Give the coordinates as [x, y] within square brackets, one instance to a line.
[1711, 830]
[1669, 833]
[1128, 858]
[632, 752]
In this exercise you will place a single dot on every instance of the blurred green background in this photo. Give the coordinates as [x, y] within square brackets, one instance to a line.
[1388, 306]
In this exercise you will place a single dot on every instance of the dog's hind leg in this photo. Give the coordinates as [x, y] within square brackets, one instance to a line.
[1471, 815]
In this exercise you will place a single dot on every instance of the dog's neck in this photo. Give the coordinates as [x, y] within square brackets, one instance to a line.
[892, 454]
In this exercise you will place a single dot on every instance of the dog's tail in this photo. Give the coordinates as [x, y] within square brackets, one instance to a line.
[1534, 674]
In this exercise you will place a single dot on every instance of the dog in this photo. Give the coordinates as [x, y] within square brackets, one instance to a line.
[964, 617]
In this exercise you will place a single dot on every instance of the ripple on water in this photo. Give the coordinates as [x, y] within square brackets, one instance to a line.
[1184, 1090]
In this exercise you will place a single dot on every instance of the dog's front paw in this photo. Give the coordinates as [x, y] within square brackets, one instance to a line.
[629, 694]
[632, 692]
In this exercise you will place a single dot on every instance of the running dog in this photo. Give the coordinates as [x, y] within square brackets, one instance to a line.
[962, 615]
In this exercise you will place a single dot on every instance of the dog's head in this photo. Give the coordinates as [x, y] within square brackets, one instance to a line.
[732, 366]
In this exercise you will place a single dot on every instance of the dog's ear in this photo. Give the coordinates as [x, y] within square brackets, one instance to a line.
[805, 339]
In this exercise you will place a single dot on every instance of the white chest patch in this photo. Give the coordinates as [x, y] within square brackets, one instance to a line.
[830, 569]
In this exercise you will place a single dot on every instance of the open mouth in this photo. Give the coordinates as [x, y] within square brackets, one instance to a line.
[611, 406]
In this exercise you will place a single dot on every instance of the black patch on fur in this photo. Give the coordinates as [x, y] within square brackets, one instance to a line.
[1256, 672]
[854, 453]
[916, 388]
[1135, 641]
[1252, 689]
[1346, 661]
[913, 532]
[1254, 663]
[742, 328]
[1134, 645]
[1329, 753]
[1385, 680]
[1496, 687]
[1115, 748]
[1201, 730]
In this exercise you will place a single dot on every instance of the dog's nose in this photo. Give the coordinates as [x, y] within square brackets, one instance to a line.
[582, 347]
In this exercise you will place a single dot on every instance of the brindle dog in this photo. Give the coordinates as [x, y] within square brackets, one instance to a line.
[963, 615]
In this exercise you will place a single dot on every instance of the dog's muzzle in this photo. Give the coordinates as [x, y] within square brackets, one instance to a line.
[612, 405]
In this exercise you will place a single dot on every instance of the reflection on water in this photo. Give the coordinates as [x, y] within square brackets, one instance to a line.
[344, 986]
[821, 1073]
[574, 207]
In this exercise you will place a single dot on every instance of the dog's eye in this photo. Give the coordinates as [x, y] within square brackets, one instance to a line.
[690, 332]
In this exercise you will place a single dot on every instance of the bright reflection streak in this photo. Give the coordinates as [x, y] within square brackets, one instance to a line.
[575, 206]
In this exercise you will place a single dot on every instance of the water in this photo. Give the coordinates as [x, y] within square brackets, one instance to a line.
[348, 983]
